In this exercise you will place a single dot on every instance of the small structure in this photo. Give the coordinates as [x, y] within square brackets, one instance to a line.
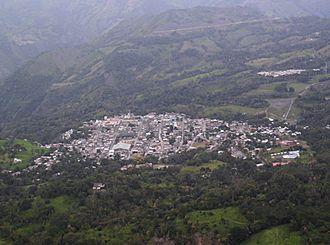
[289, 143]
[292, 155]
[98, 187]
[275, 164]
[16, 160]
[121, 147]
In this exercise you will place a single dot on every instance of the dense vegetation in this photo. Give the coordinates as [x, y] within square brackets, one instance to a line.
[204, 198]
[17, 154]
[30, 27]
[203, 72]
[224, 204]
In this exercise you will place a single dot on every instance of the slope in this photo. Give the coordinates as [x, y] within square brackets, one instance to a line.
[30, 27]
[164, 63]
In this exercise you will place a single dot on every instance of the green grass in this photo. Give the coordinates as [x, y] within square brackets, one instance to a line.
[321, 78]
[111, 235]
[266, 89]
[196, 169]
[31, 150]
[294, 113]
[2, 242]
[280, 235]
[280, 149]
[29, 230]
[197, 78]
[228, 109]
[306, 157]
[279, 107]
[261, 62]
[62, 204]
[220, 221]
[209, 44]
[298, 87]
[269, 89]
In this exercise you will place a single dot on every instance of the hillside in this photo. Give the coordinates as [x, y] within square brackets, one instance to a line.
[289, 8]
[28, 28]
[202, 61]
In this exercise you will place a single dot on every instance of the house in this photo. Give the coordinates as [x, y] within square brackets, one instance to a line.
[16, 160]
[280, 163]
[289, 143]
[98, 187]
[292, 155]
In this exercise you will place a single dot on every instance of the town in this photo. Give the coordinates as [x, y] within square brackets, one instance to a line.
[161, 135]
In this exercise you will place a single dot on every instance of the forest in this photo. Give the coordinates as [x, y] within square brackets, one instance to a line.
[203, 196]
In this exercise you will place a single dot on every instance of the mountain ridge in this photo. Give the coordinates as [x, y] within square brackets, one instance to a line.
[28, 28]
[145, 72]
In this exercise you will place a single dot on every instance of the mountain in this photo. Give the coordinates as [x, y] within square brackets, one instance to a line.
[289, 8]
[30, 27]
[201, 61]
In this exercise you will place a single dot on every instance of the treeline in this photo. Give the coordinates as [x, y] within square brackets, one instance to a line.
[137, 206]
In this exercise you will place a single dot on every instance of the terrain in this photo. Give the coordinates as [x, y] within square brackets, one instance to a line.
[28, 28]
[201, 61]
[82, 201]
[259, 174]
[18, 154]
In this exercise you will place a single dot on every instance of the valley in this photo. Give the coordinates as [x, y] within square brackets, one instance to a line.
[132, 69]
[164, 122]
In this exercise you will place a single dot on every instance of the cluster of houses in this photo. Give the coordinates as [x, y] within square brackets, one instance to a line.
[161, 135]
[158, 136]
[145, 166]
[287, 154]
[284, 73]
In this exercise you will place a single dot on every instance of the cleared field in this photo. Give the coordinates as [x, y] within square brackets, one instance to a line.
[221, 220]
[228, 109]
[196, 78]
[269, 89]
[196, 169]
[257, 63]
[62, 204]
[280, 235]
[279, 107]
[26, 154]
[115, 235]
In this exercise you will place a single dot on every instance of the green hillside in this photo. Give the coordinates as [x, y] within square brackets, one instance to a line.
[202, 61]
[21, 150]
[30, 27]
[280, 235]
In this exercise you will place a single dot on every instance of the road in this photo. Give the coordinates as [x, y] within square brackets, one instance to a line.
[302, 93]
[293, 100]
[215, 26]
[289, 110]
